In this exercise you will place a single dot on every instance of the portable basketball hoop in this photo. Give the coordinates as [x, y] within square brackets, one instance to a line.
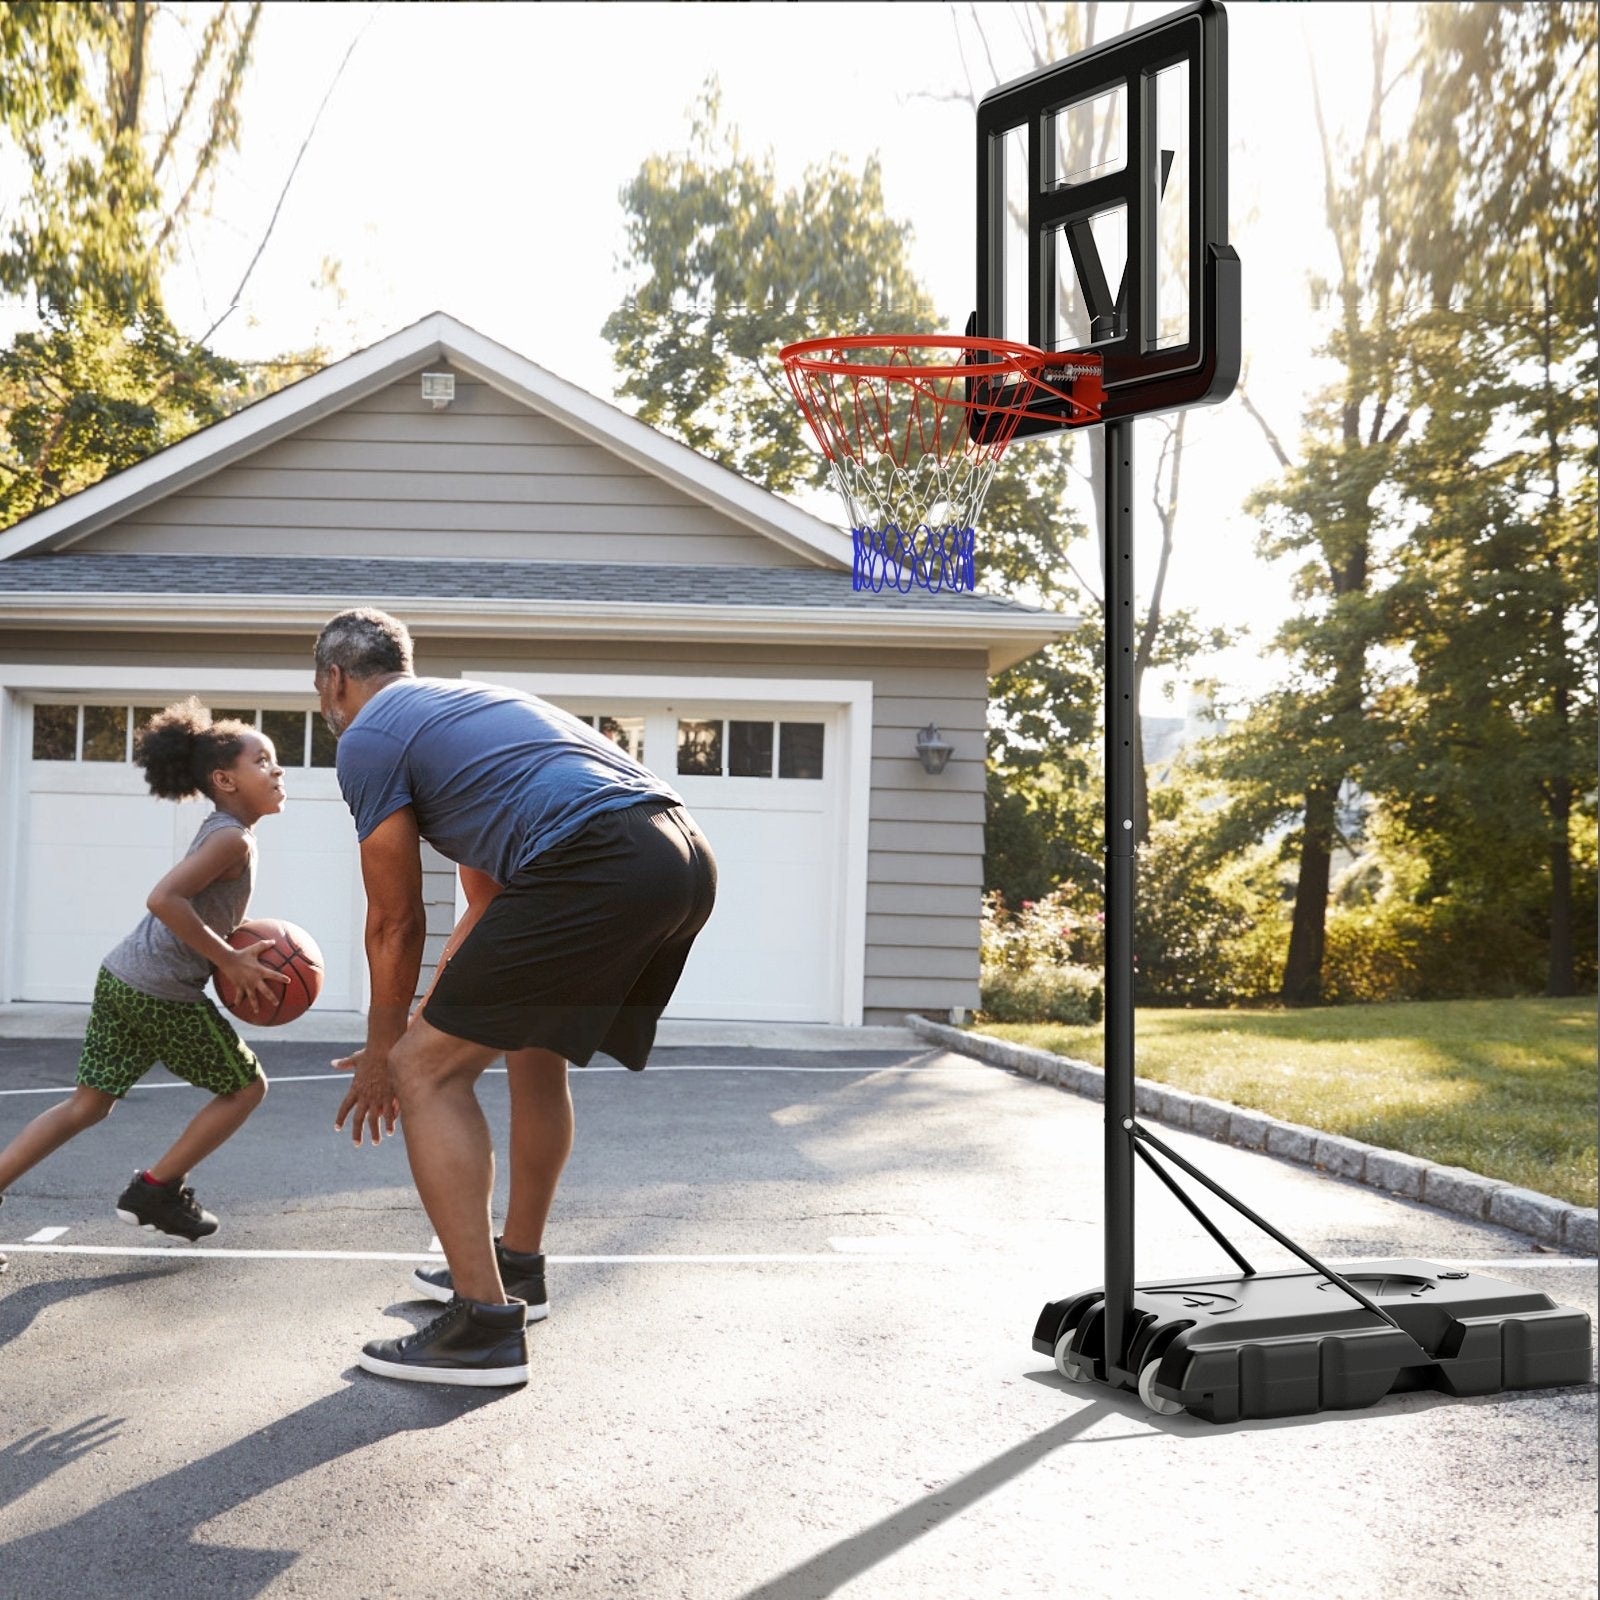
[912, 426]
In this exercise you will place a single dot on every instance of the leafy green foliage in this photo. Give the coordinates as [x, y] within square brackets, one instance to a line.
[105, 379]
[731, 268]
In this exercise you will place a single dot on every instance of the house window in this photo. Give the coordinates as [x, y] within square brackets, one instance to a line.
[626, 733]
[55, 733]
[749, 749]
[107, 732]
[700, 749]
[749, 746]
[324, 746]
[287, 731]
[799, 749]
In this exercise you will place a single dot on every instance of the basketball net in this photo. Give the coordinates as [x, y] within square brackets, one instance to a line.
[912, 427]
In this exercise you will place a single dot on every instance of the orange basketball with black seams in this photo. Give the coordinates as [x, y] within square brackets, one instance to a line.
[294, 953]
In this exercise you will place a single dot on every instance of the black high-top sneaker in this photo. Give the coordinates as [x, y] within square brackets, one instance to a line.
[470, 1343]
[167, 1207]
[522, 1277]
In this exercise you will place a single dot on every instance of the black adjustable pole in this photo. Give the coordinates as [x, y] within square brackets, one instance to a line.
[1119, 870]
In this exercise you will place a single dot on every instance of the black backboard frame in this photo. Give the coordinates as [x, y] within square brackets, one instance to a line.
[1139, 378]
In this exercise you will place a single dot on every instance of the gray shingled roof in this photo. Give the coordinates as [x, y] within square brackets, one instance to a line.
[369, 581]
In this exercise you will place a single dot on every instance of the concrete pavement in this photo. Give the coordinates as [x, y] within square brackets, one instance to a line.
[788, 1356]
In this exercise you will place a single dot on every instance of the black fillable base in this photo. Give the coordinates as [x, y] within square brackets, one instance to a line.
[1284, 1344]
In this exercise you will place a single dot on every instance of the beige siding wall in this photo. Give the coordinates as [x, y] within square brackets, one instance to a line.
[925, 835]
[487, 478]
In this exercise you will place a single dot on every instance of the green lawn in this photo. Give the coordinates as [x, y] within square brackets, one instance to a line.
[1502, 1087]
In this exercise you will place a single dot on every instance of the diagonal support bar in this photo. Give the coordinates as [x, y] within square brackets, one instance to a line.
[1141, 1132]
[1194, 1210]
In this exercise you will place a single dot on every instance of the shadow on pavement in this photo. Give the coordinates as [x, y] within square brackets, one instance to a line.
[831, 1569]
[19, 1308]
[144, 1541]
[28, 1461]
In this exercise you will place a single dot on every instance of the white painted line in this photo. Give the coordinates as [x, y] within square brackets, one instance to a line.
[577, 1073]
[210, 1253]
[47, 1235]
[434, 1247]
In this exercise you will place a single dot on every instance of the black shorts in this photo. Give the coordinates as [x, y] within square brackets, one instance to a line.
[581, 951]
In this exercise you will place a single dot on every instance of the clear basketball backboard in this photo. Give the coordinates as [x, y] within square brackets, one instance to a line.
[1103, 214]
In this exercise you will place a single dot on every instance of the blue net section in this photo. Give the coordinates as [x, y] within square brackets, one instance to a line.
[928, 558]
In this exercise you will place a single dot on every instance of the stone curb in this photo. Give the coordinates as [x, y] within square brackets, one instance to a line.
[1453, 1189]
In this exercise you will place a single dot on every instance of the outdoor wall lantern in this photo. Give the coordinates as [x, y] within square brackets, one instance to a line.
[932, 750]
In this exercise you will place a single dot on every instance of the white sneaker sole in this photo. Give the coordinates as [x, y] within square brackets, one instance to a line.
[150, 1227]
[489, 1378]
[435, 1291]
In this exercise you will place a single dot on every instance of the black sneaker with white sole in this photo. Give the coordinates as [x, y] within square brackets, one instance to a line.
[478, 1345]
[521, 1276]
[166, 1207]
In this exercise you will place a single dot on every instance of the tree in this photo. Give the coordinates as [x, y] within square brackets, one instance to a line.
[1493, 763]
[1292, 756]
[731, 269]
[104, 378]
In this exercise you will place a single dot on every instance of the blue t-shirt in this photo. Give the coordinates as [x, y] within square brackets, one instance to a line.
[494, 776]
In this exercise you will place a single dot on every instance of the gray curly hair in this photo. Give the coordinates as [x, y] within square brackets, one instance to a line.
[364, 643]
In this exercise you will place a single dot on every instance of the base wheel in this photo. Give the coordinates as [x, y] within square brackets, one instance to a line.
[1153, 1401]
[1071, 1367]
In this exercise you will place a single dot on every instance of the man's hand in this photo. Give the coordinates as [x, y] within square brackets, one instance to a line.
[371, 1096]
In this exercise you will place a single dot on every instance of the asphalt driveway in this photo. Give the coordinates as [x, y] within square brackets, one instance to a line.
[788, 1355]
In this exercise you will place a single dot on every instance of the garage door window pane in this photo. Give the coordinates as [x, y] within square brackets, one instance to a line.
[627, 733]
[287, 731]
[700, 749]
[225, 714]
[105, 733]
[323, 743]
[800, 750]
[749, 749]
[55, 733]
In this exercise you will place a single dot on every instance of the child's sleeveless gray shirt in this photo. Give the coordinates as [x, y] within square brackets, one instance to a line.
[154, 960]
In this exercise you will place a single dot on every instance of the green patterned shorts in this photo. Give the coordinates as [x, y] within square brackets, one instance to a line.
[130, 1031]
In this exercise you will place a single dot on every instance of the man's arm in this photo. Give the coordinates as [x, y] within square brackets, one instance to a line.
[391, 870]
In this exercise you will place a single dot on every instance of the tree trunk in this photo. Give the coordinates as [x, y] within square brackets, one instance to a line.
[1141, 779]
[1562, 979]
[1302, 971]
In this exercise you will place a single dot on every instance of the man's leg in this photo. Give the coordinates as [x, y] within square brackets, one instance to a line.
[541, 1141]
[448, 1146]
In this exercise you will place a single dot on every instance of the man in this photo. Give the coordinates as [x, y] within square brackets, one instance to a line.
[586, 884]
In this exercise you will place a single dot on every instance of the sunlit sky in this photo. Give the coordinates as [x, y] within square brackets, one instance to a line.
[470, 158]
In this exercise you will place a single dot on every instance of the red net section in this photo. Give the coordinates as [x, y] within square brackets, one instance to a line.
[913, 426]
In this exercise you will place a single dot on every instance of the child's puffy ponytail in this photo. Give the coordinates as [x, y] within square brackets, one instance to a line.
[181, 747]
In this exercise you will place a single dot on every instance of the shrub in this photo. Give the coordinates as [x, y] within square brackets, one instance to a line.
[1041, 994]
[1440, 951]
[1049, 932]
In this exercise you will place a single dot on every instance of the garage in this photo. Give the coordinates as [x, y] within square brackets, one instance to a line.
[530, 534]
[765, 778]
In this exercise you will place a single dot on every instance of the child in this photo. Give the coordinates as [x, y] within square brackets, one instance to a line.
[149, 1000]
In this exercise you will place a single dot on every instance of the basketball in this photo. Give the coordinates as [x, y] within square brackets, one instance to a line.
[294, 952]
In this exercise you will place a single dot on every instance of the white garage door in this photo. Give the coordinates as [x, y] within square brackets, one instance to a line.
[764, 783]
[96, 842]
